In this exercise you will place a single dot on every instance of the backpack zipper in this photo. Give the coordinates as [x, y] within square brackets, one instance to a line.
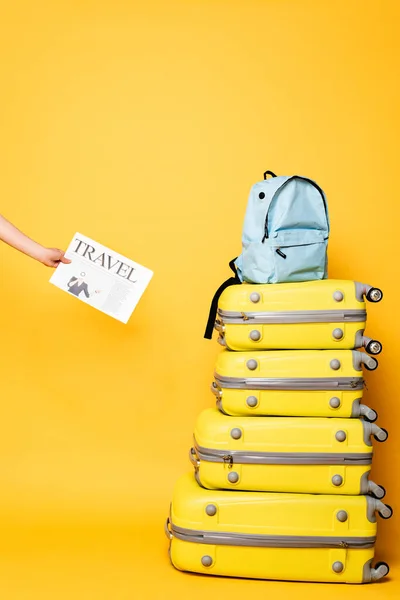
[266, 233]
[279, 251]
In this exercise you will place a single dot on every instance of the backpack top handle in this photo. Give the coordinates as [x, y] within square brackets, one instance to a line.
[269, 173]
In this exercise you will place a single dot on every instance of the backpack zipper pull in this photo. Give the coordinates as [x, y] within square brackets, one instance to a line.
[279, 251]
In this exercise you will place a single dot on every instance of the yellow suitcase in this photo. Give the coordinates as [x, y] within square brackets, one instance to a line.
[302, 383]
[308, 315]
[296, 537]
[285, 454]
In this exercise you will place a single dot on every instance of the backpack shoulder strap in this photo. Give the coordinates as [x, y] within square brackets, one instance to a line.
[214, 304]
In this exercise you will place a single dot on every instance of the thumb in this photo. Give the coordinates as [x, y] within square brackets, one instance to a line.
[64, 260]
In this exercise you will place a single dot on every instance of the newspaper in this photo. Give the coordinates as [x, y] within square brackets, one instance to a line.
[102, 278]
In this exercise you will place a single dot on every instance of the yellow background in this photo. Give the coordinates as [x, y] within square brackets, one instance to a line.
[143, 125]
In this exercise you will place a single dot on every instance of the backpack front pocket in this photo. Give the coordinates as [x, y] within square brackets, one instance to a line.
[303, 262]
[287, 256]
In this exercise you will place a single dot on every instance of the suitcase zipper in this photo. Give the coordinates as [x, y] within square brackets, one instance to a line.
[269, 541]
[232, 457]
[290, 383]
[293, 316]
[228, 460]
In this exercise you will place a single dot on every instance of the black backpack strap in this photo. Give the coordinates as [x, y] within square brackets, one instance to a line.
[214, 304]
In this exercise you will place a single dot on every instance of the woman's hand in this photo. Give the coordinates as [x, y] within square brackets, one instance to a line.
[52, 257]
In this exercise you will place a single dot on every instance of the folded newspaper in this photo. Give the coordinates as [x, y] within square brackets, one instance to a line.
[102, 278]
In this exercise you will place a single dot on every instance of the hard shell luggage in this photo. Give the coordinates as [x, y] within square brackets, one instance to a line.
[310, 315]
[309, 383]
[285, 454]
[297, 537]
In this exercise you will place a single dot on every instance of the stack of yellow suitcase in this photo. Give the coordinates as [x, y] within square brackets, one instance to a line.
[281, 486]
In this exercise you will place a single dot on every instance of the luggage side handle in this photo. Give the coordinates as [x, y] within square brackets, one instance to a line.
[218, 326]
[221, 340]
[194, 458]
[167, 529]
[216, 390]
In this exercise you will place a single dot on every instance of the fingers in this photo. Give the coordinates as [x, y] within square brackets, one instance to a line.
[52, 257]
[64, 260]
[61, 258]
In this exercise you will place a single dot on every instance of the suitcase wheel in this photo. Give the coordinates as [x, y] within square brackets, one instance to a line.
[382, 564]
[379, 495]
[376, 491]
[386, 513]
[371, 365]
[371, 418]
[374, 295]
[374, 347]
[383, 437]
[380, 570]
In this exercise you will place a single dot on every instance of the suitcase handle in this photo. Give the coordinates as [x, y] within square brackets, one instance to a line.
[195, 461]
[216, 390]
[167, 529]
[218, 326]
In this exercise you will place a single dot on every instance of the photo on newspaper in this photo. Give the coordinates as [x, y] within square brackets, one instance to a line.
[102, 278]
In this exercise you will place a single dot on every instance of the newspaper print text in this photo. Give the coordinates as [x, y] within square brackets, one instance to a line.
[106, 261]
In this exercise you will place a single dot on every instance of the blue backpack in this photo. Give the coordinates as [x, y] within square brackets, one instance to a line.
[285, 235]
